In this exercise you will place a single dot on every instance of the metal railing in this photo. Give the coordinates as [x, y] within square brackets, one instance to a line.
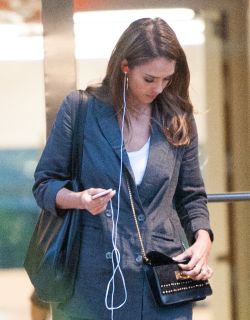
[229, 197]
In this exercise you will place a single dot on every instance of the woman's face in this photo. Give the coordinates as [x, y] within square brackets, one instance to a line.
[148, 80]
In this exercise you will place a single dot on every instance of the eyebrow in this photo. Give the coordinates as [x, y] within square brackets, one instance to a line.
[154, 77]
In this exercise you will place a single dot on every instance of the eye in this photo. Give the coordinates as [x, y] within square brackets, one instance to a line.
[148, 80]
[168, 79]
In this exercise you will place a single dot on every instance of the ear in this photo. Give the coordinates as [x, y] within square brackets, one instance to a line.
[124, 66]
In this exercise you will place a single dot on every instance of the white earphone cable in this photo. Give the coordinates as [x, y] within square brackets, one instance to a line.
[116, 258]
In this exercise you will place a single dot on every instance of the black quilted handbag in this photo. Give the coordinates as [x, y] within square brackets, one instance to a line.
[167, 283]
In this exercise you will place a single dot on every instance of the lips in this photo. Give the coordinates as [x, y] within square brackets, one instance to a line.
[152, 97]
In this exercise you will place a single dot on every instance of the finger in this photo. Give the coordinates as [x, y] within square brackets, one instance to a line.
[194, 272]
[93, 191]
[193, 264]
[102, 201]
[98, 210]
[209, 273]
[110, 196]
[184, 255]
[202, 275]
[105, 199]
[99, 206]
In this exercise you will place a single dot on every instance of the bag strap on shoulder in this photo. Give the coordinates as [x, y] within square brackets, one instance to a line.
[79, 117]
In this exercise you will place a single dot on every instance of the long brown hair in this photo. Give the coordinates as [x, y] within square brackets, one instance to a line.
[144, 40]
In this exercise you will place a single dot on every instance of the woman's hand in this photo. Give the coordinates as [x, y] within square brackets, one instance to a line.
[97, 205]
[197, 268]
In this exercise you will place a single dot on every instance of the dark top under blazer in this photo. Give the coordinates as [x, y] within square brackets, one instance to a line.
[171, 194]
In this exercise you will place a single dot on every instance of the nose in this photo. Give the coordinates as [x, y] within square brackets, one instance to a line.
[158, 88]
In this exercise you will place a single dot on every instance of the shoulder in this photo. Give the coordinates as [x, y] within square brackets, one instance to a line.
[93, 104]
[66, 114]
[71, 102]
[73, 98]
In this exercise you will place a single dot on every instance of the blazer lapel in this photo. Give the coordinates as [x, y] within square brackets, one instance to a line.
[109, 126]
[160, 165]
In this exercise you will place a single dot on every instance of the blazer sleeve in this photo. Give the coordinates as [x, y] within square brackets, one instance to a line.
[53, 171]
[190, 195]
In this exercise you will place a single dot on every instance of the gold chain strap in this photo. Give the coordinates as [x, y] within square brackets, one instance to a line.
[136, 222]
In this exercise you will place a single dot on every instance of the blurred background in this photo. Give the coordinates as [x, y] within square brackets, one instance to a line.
[51, 47]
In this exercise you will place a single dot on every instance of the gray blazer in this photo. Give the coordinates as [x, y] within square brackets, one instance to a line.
[170, 196]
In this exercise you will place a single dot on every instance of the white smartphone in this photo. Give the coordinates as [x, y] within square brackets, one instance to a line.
[101, 194]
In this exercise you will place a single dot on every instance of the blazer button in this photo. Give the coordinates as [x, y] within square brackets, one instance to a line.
[141, 217]
[108, 213]
[108, 255]
[138, 259]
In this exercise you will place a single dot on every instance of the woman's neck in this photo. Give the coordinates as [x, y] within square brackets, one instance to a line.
[137, 131]
[138, 112]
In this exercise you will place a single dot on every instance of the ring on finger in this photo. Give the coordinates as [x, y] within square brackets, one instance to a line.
[210, 272]
[203, 270]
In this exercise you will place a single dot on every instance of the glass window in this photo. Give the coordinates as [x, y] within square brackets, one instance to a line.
[22, 124]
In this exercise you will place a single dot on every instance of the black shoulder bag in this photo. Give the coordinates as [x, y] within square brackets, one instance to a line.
[166, 281]
[52, 257]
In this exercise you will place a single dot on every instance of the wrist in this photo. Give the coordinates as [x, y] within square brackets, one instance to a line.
[202, 233]
[68, 199]
[79, 200]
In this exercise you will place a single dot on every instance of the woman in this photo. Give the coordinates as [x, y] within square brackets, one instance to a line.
[147, 81]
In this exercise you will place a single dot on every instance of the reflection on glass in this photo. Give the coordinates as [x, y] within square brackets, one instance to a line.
[21, 42]
[101, 29]
[22, 124]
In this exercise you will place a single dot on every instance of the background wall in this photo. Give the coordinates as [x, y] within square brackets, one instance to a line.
[22, 103]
